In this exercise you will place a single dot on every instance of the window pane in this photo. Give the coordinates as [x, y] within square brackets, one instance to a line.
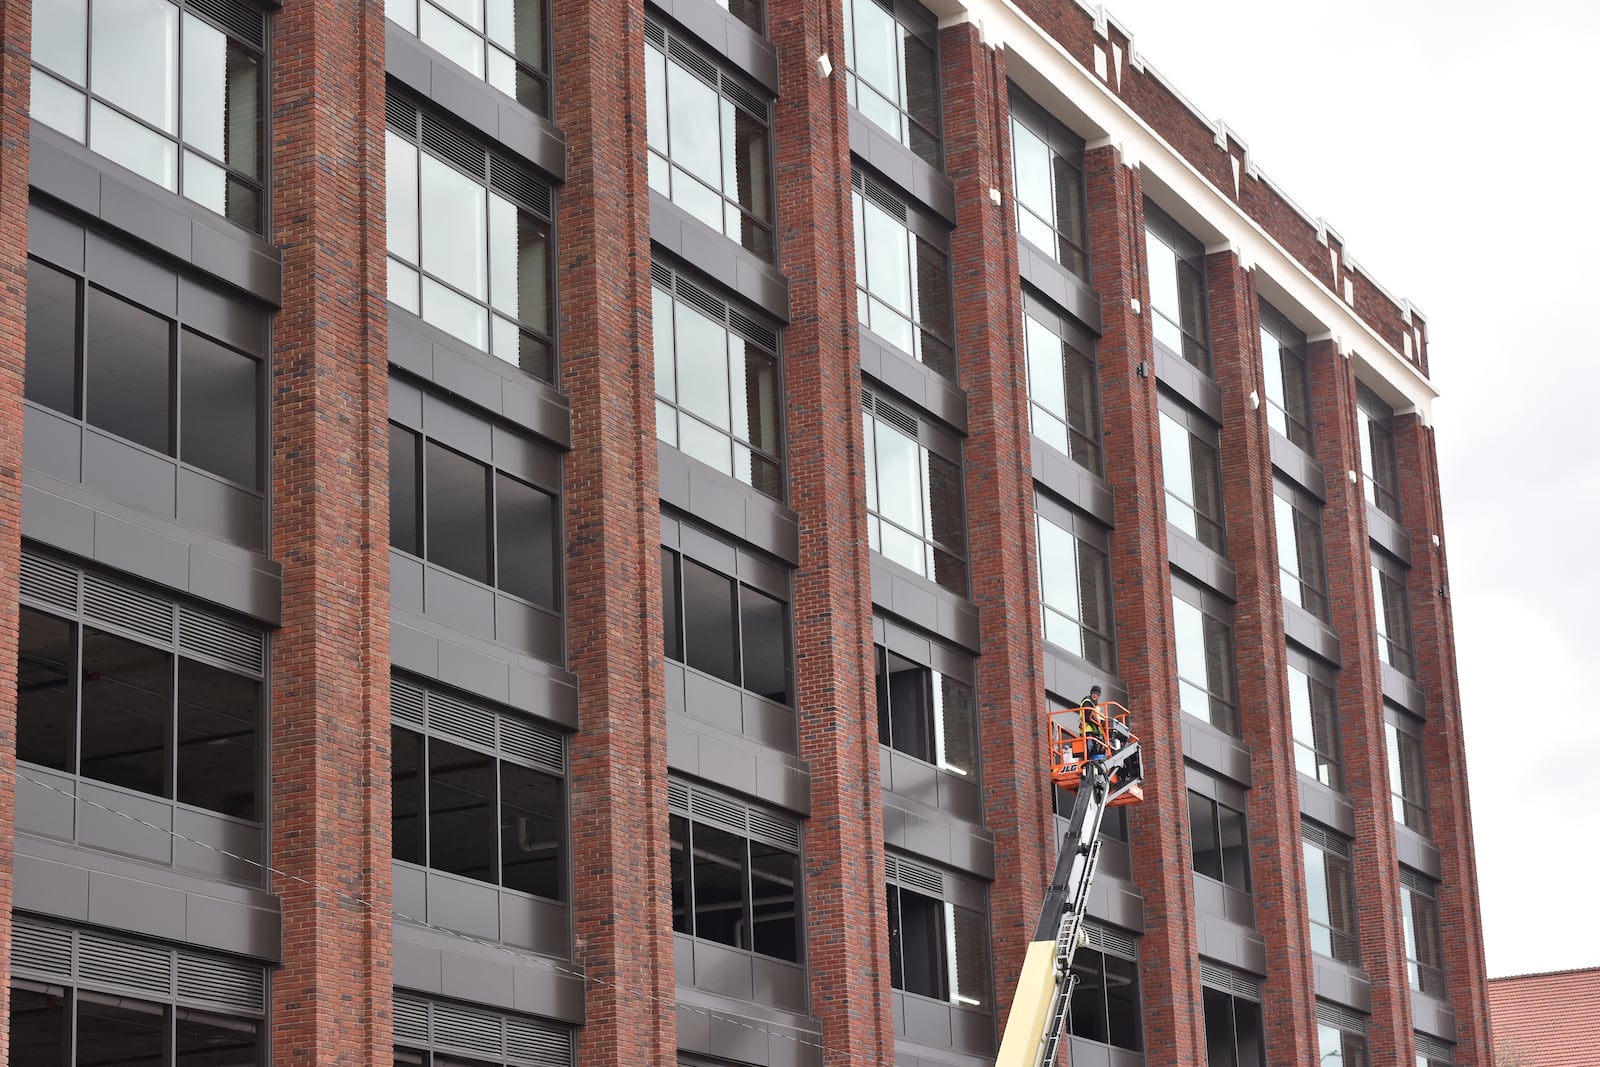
[47, 698]
[1122, 1003]
[533, 822]
[1235, 848]
[205, 85]
[39, 1027]
[972, 958]
[461, 811]
[671, 634]
[955, 717]
[218, 411]
[702, 350]
[60, 36]
[57, 105]
[217, 756]
[133, 54]
[458, 43]
[129, 371]
[525, 541]
[458, 512]
[899, 479]
[682, 915]
[709, 628]
[922, 941]
[1203, 836]
[774, 877]
[400, 157]
[454, 228]
[1219, 1028]
[909, 711]
[404, 526]
[214, 1041]
[123, 1032]
[1088, 1010]
[133, 145]
[127, 713]
[409, 829]
[721, 878]
[766, 647]
[52, 364]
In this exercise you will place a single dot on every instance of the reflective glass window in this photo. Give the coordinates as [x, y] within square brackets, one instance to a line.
[1047, 172]
[1177, 273]
[1192, 473]
[1205, 665]
[1283, 350]
[926, 714]
[902, 277]
[502, 42]
[892, 68]
[1301, 574]
[1075, 587]
[916, 510]
[1062, 388]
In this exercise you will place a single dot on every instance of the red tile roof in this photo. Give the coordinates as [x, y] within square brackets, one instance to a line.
[1546, 1020]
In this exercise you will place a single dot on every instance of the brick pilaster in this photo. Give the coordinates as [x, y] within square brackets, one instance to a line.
[1360, 693]
[1276, 853]
[1000, 509]
[846, 922]
[1444, 749]
[621, 872]
[1169, 955]
[16, 24]
[332, 999]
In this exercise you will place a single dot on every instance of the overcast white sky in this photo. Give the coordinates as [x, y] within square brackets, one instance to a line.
[1452, 143]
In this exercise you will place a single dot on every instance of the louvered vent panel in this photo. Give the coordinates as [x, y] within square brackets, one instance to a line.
[527, 742]
[1434, 1049]
[891, 868]
[49, 582]
[774, 831]
[45, 951]
[117, 605]
[735, 90]
[520, 185]
[856, 180]
[229, 983]
[1313, 834]
[691, 293]
[661, 276]
[678, 797]
[1229, 980]
[113, 961]
[866, 399]
[401, 115]
[883, 199]
[405, 703]
[467, 1030]
[897, 418]
[654, 33]
[761, 334]
[916, 876]
[447, 715]
[688, 57]
[1105, 939]
[242, 20]
[531, 1043]
[410, 1020]
[225, 642]
[713, 809]
[1412, 880]
[447, 143]
[1344, 1020]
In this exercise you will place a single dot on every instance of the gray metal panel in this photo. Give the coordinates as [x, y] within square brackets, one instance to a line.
[52, 444]
[925, 388]
[218, 847]
[52, 236]
[135, 212]
[1342, 984]
[1115, 901]
[1433, 1017]
[729, 506]
[429, 961]
[221, 253]
[779, 984]
[1211, 748]
[1069, 676]
[1059, 285]
[544, 690]
[723, 260]
[721, 970]
[458, 603]
[722, 759]
[928, 1020]
[1405, 692]
[1388, 534]
[1298, 466]
[467, 907]
[1417, 852]
[972, 1030]
[222, 510]
[1073, 483]
[245, 588]
[1189, 382]
[521, 625]
[451, 424]
[729, 38]
[236, 322]
[544, 926]
[919, 601]
[1232, 944]
[1310, 632]
[1200, 563]
[137, 549]
[119, 471]
[146, 836]
[1321, 804]
[900, 165]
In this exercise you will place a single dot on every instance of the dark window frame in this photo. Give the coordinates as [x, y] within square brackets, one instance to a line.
[1425, 975]
[1391, 607]
[1223, 1009]
[1091, 545]
[1334, 933]
[929, 322]
[1407, 770]
[942, 490]
[956, 902]
[1302, 562]
[1319, 748]
[1201, 512]
[1379, 462]
[1232, 860]
[1093, 964]
[911, 131]
[1221, 691]
[531, 76]
[1189, 336]
[1070, 244]
[1287, 372]
[1073, 371]
[927, 736]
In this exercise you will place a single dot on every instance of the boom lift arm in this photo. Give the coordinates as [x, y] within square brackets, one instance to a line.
[1044, 991]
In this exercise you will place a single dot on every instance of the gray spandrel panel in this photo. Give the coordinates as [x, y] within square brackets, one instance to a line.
[1326, 806]
[466, 97]
[476, 981]
[416, 967]
[44, 803]
[1417, 852]
[145, 836]
[406, 60]
[138, 214]
[467, 907]
[1189, 382]
[474, 671]
[228, 320]
[56, 172]
[1403, 691]
[721, 970]
[241, 586]
[409, 350]
[1388, 534]
[230, 927]
[405, 582]
[769, 723]
[58, 890]
[217, 847]
[737, 1041]
[537, 925]
[1072, 482]
[458, 603]
[223, 255]
[222, 510]
[523, 626]
[450, 424]
[129, 475]
[410, 891]
[50, 236]
[1200, 563]
[928, 1021]
[1059, 285]
[1341, 984]
[137, 907]
[465, 377]
[549, 992]
[52, 444]
[1297, 466]
[118, 268]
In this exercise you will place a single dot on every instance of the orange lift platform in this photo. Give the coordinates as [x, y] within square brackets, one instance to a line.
[1068, 751]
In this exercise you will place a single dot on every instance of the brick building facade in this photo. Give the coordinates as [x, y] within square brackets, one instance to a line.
[615, 625]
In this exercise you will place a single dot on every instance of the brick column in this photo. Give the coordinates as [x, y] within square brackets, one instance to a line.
[846, 924]
[332, 999]
[1276, 854]
[1360, 693]
[621, 871]
[1000, 511]
[1433, 635]
[1163, 868]
[16, 23]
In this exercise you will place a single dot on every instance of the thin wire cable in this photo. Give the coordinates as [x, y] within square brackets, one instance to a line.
[556, 966]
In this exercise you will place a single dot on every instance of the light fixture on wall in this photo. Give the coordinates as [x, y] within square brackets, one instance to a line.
[824, 66]
[1255, 400]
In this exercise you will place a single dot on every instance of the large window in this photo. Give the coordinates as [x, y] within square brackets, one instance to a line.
[1192, 473]
[1378, 466]
[1392, 612]
[1408, 783]
[1203, 629]
[727, 628]
[469, 240]
[1219, 841]
[1341, 1038]
[1062, 386]
[1314, 718]
[735, 874]
[1301, 572]
[92, 999]
[938, 935]
[504, 42]
[892, 60]
[1234, 1034]
[1419, 912]
[916, 513]
[903, 275]
[1283, 350]
[718, 397]
[710, 145]
[1177, 269]
[1330, 894]
[1047, 168]
[142, 376]
[138, 692]
[494, 1038]
[487, 524]
[1105, 1000]
[1075, 584]
[926, 714]
[172, 91]
[478, 793]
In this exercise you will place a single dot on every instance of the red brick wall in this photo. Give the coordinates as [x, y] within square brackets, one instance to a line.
[618, 778]
[1444, 748]
[16, 23]
[846, 925]
[332, 999]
